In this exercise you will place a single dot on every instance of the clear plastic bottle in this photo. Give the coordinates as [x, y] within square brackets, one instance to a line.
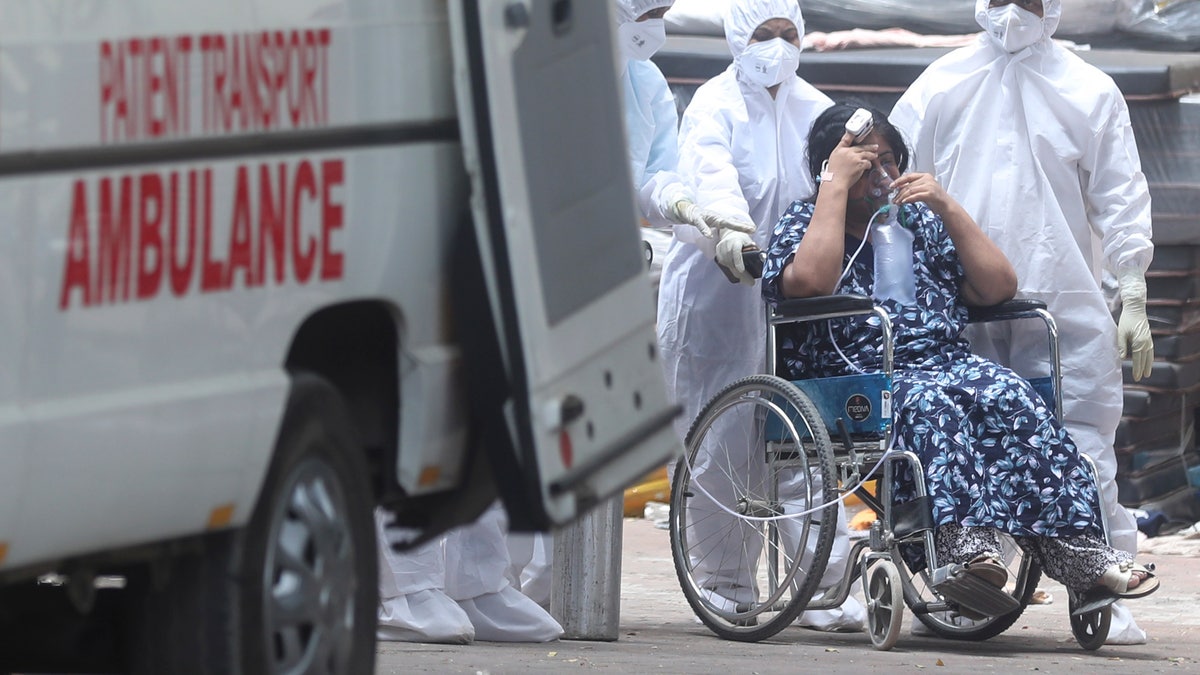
[893, 246]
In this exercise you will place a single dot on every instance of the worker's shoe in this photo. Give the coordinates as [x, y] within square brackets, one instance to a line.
[424, 616]
[510, 616]
[850, 617]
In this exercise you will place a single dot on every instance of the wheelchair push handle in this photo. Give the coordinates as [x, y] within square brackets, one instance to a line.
[754, 259]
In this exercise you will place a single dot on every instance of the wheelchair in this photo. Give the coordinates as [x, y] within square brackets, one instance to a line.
[753, 522]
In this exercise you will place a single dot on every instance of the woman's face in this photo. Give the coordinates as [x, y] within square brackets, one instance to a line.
[776, 28]
[871, 189]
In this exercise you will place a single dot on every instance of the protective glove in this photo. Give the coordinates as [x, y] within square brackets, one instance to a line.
[718, 221]
[1133, 328]
[686, 212]
[729, 255]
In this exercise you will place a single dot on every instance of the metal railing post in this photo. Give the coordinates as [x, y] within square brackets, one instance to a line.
[585, 595]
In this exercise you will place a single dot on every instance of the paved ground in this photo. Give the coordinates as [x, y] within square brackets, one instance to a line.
[659, 634]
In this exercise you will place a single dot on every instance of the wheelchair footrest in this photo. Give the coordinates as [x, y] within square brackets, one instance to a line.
[1093, 600]
[971, 593]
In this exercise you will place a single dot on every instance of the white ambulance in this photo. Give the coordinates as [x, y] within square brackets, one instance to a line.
[267, 264]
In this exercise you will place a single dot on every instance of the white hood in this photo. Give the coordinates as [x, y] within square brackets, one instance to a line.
[1051, 15]
[744, 17]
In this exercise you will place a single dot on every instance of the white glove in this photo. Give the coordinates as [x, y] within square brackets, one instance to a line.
[686, 212]
[729, 254]
[1133, 328]
[718, 221]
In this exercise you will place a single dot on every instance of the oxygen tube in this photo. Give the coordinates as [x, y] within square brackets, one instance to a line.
[828, 325]
[699, 487]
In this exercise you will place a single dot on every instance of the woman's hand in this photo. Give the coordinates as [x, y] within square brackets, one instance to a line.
[817, 262]
[848, 162]
[922, 187]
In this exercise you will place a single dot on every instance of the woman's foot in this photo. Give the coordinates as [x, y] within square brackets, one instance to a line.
[989, 568]
[1129, 580]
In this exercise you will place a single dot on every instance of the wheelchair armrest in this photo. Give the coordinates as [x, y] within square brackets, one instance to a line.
[1005, 311]
[795, 310]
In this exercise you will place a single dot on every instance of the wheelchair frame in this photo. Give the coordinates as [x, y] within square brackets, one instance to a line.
[792, 426]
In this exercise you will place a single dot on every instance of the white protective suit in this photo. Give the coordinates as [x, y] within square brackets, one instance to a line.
[456, 589]
[744, 152]
[652, 124]
[477, 578]
[1037, 146]
[529, 569]
[413, 605]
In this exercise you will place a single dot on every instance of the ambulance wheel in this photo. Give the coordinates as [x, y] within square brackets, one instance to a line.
[885, 604]
[737, 561]
[296, 589]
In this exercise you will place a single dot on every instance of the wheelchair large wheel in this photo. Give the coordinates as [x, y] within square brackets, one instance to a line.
[757, 450]
[1023, 576]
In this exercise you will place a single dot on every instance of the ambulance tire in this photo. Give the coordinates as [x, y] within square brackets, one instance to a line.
[296, 590]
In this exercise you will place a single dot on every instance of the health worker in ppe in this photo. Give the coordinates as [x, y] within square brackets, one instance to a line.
[652, 124]
[413, 605]
[1037, 145]
[457, 588]
[742, 145]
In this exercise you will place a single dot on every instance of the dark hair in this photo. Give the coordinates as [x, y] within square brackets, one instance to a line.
[829, 127]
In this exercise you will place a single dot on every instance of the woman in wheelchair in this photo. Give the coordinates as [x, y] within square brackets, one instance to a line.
[994, 456]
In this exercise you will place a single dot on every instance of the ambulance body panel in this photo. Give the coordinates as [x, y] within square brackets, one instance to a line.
[166, 290]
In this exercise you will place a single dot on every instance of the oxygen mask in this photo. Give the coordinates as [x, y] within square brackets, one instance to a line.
[879, 184]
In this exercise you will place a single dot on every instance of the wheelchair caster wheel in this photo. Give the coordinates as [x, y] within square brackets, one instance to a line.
[1091, 628]
[885, 604]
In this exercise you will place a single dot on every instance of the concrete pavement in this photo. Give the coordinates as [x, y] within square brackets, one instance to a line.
[660, 635]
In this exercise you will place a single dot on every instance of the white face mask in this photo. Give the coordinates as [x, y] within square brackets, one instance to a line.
[769, 63]
[1014, 28]
[640, 39]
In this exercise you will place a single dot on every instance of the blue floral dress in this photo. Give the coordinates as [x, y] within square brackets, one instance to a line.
[993, 453]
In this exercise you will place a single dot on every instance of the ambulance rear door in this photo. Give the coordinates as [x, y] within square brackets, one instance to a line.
[582, 391]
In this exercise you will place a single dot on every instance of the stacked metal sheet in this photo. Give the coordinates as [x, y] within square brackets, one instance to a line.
[1159, 468]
